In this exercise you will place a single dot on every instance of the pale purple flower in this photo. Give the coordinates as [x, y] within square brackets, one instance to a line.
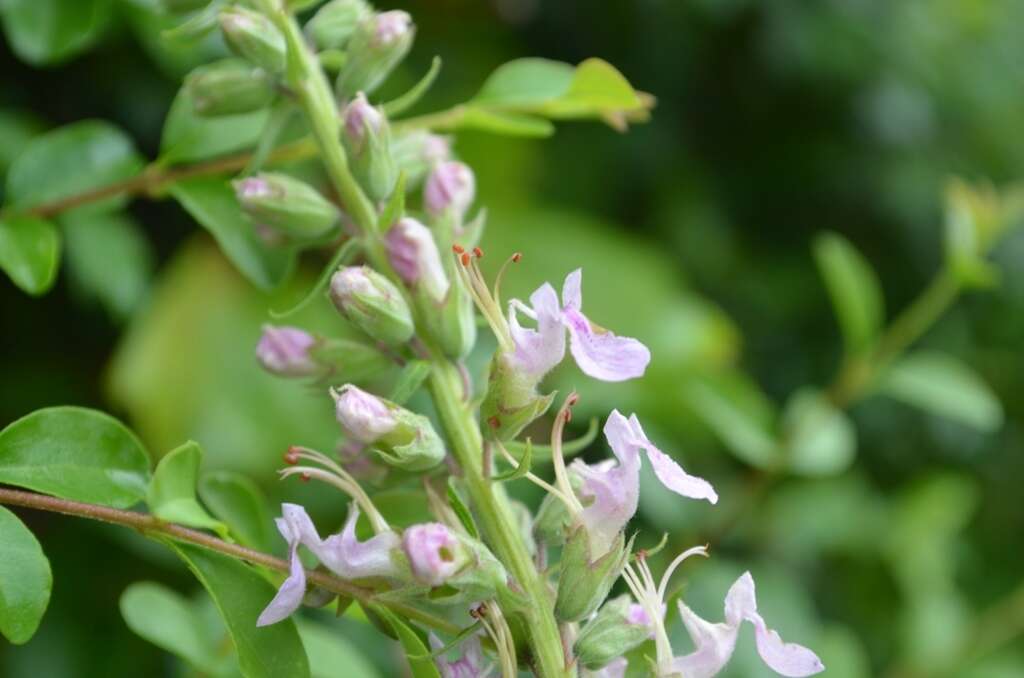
[715, 642]
[252, 187]
[598, 352]
[391, 26]
[364, 416]
[284, 351]
[450, 186]
[472, 663]
[614, 669]
[434, 552]
[341, 553]
[614, 488]
[637, 616]
[361, 119]
[414, 255]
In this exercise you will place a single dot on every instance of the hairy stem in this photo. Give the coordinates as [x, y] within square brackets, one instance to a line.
[495, 514]
[150, 525]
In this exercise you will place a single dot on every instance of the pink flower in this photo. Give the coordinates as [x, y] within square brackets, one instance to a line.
[434, 553]
[615, 487]
[471, 664]
[451, 185]
[392, 26]
[715, 643]
[361, 119]
[598, 352]
[364, 416]
[414, 255]
[284, 351]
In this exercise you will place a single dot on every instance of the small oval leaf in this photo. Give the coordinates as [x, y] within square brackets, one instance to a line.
[29, 252]
[853, 288]
[25, 580]
[172, 492]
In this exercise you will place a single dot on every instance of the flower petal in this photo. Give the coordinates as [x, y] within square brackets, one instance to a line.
[539, 350]
[714, 643]
[572, 290]
[741, 600]
[602, 354]
[614, 490]
[676, 479]
[289, 596]
[622, 438]
[787, 659]
[349, 558]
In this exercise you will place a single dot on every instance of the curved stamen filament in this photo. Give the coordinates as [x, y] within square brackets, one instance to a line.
[336, 476]
[514, 259]
[695, 551]
[561, 476]
[469, 272]
[568, 501]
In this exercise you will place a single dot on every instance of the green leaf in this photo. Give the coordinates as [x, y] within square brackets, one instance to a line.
[188, 137]
[108, 259]
[395, 206]
[328, 650]
[511, 124]
[410, 98]
[48, 31]
[240, 594]
[974, 219]
[596, 87]
[409, 381]
[739, 414]
[517, 472]
[240, 503]
[25, 580]
[820, 439]
[75, 453]
[172, 492]
[17, 128]
[853, 288]
[342, 256]
[460, 508]
[415, 650]
[71, 160]
[29, 253]
[525, 82]
[941, 384]
[211, 201]
[171, 622]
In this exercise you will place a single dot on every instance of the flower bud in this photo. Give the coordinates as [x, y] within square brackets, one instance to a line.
[399, 437]
[512, 401]
[253, 37]
[367, 140]
[584, 584]
[451, 186]
[334, 23]
[286, 204]
[417, 152]
[435, 554]
[552, 520]
[228, 87]
[415, 257]
[379, 43]
[619, 626]
[372, 303]
[285, 351]
[365, 417]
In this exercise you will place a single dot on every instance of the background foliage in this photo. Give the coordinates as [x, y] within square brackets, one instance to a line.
[776, 121]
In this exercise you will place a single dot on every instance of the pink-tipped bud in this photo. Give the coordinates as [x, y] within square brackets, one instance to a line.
[434, 552]
[436, 149]
[253, 187]
[391, 27]
[361, 119]
[284, 351]
[415, 257]
[450, 186]
[364, 416]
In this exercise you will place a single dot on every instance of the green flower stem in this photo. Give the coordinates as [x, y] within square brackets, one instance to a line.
[151, 526]
[495, 514]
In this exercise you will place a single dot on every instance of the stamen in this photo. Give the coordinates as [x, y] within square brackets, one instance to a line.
[514, 259]
[478, 253]
[695, 551]
[339, 478]
[561, 476]
[292, 456]
[539, 482]
[465, 259]
[458, 249]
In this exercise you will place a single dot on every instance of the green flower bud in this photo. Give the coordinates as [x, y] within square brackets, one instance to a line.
[373, 304]
[582, 584]
[229, 87]
[379, 43]
[401, 438]
[367, 140]
[334, 23]
[286, 204]
[254, 37]
[620, 625]
[512, 401]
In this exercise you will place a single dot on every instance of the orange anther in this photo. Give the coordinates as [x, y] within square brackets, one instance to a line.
[458, 249]
[478, 253]
[516, 257]
[465, 259]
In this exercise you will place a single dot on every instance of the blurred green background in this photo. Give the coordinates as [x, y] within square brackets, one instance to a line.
[776, 120]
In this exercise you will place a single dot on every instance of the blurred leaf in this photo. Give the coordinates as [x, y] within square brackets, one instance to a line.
[341, 257]
[410, 98]
[739, 414]
[25, 580]
[944, 386]
[596, 88]
[211, 201]
[109, 259]
[70, 160]
[172, 491]
[170, 621]
[511, 124]
[820, 439]
[240, 595]
[16, 129]
[525, 82]
[329, 650]
[29, 253]
[854, 289]
[412, 644]
[240, 503]
[409, 381]
[188, 137]
[75, 453]
[48, 31]
[974, 220]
